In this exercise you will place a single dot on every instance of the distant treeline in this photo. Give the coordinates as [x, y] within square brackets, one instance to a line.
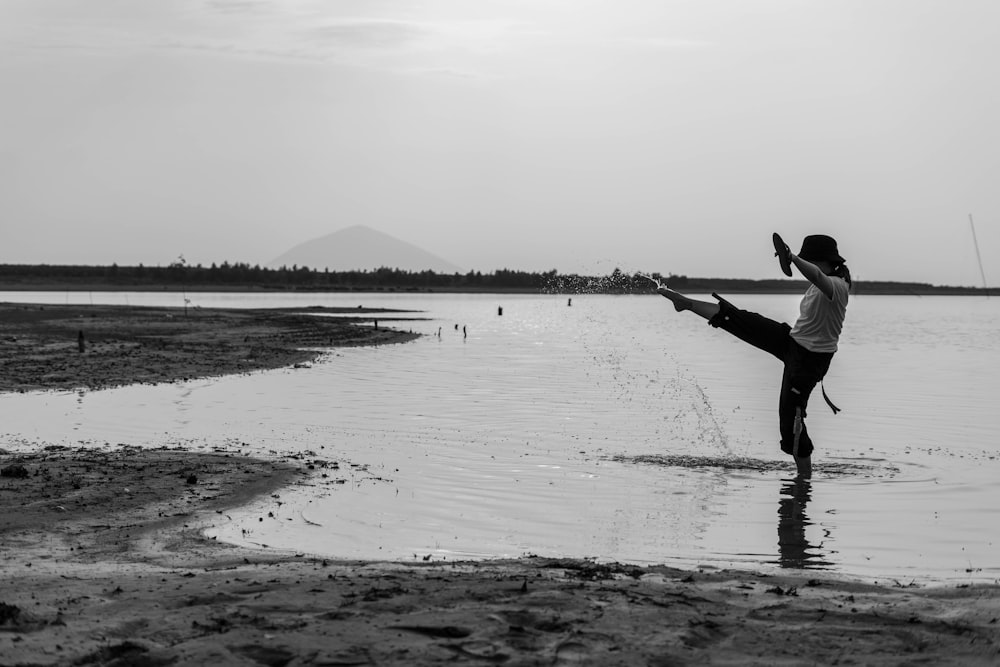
[245, 276]
[242, 276]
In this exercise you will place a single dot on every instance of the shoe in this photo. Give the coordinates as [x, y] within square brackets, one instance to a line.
[782, 252]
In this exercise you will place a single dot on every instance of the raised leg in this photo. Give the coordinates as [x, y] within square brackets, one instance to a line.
[681, 303]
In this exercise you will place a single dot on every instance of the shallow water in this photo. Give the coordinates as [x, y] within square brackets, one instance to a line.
[615, 429]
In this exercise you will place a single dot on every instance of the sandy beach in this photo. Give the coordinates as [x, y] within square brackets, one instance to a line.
[103, 560]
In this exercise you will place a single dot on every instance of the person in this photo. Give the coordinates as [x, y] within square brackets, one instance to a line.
[806, 348]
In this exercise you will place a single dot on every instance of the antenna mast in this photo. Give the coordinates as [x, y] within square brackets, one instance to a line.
[979, 258]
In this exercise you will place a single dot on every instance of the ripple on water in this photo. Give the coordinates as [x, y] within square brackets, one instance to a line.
[833, 468]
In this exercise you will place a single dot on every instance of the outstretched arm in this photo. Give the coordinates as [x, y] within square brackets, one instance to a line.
[813, 274]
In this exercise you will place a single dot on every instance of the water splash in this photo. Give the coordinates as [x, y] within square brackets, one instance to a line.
[655, 281]
[616, 282]
[748, 464]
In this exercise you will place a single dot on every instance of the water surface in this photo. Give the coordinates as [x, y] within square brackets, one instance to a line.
[614, 428]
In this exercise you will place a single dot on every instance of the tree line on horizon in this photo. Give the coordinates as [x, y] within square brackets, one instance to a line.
[182, 275]
[242, 274]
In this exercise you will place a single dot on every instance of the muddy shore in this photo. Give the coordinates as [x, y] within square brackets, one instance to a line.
[103, 560]
[96, 347]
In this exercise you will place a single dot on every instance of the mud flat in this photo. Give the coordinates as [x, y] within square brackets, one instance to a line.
[96, 347]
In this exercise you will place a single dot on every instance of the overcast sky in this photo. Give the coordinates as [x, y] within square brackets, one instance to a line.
[577, 135]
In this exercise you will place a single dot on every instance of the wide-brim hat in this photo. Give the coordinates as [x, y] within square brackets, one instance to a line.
[820, 247]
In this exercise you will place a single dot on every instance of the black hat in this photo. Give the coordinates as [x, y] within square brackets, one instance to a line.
[820, 247]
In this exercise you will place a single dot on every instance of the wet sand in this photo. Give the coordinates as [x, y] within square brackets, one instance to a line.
[103, 560]
[96, 347]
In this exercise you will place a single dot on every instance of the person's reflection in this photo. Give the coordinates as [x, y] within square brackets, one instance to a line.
[794, 550]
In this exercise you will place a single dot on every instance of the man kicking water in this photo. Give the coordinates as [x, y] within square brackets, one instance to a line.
[805, 349]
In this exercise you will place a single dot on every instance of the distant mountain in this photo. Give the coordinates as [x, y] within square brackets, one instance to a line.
[361, 248]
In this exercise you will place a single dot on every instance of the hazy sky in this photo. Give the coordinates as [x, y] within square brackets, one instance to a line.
[577, 135]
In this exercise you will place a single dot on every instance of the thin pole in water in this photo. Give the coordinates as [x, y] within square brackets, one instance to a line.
[979, 258]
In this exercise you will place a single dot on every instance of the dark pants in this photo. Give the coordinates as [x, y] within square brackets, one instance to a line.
[803, 369]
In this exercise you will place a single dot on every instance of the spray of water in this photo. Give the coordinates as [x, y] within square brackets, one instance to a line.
[688, 418]
[655, 281]
[616, 282]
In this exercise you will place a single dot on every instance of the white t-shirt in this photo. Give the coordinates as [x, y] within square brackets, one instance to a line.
[821, 319]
